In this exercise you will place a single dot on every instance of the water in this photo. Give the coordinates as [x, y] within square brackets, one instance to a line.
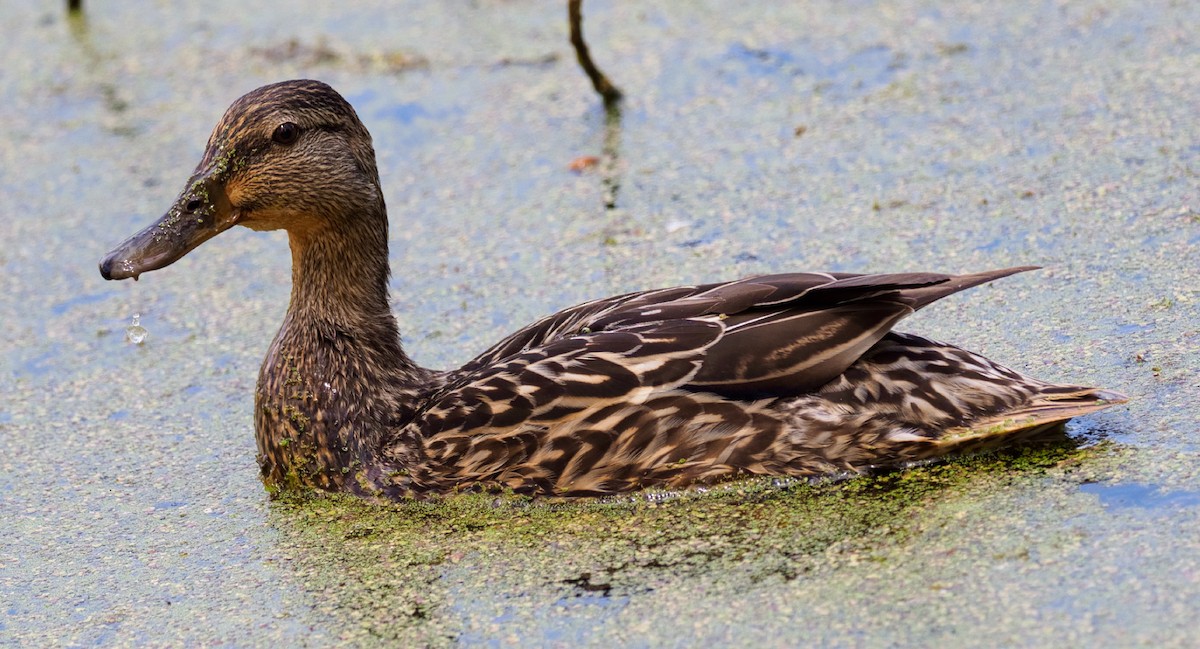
[1125, 495]
[977, 158]
[135, 332]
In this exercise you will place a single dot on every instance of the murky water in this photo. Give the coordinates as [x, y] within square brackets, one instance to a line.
[755, 138]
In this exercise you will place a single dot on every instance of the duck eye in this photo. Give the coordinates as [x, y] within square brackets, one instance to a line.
[286, 133]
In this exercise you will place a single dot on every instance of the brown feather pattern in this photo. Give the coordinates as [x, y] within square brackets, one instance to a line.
[793, 374]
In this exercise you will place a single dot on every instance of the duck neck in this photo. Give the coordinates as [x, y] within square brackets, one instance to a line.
[336, 385]
[340, 281]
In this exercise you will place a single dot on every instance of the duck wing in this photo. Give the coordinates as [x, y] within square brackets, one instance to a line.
[781, 335]
[570, 321]
[588, 414]
[572, 374]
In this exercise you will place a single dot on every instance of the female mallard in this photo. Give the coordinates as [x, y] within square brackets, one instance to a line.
[796, 374]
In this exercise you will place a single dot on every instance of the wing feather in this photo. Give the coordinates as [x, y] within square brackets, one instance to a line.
[572, 374]
[784, 334]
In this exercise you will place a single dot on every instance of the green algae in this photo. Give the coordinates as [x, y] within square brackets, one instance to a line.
[379, 569]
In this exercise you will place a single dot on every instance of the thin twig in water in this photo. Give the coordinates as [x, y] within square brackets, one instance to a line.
[607, 90]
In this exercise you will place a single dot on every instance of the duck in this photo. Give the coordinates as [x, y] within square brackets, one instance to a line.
[793, 374]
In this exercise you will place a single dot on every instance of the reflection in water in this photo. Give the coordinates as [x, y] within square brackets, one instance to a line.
[81, 33]
[95, 64]
[610, 184]
[610, 177]
[1130, 495]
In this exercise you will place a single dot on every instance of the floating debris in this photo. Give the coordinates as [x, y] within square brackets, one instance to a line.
[675, 226]
[135, 332]
[583, 163]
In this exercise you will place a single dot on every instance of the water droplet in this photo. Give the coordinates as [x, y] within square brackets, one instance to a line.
[135, 332]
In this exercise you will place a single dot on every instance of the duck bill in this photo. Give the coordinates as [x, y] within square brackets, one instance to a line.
[200, 213]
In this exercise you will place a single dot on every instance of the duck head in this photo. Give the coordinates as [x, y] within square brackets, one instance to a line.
[290, 155]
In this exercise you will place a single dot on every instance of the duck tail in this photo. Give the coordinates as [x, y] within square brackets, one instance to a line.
[1040, 416]
[925, 295]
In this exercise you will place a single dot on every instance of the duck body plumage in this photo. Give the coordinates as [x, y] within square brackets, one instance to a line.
[794, 374]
